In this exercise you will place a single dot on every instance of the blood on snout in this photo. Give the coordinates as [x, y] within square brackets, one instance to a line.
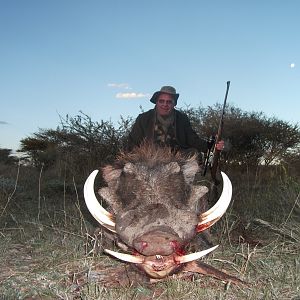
[178, 249]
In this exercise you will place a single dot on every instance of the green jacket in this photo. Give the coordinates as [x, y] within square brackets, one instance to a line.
[186, 137]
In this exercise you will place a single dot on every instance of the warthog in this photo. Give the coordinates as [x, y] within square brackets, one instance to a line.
[156, 210]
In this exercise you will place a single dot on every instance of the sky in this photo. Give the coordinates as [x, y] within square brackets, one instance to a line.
[107, 57]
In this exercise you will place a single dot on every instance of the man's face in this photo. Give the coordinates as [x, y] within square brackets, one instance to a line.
[164, 104]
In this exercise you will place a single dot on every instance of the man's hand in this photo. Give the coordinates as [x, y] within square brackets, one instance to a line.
[220, 145]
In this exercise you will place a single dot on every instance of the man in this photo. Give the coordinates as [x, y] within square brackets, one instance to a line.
[166, 126]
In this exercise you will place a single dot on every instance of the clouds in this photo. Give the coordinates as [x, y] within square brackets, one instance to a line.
[3, 123]
[132, 95]
[126, 95]
[119, 85]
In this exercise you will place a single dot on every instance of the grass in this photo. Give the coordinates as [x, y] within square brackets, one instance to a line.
[46, 249]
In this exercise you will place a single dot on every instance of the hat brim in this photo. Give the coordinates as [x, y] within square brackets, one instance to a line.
[156, 94]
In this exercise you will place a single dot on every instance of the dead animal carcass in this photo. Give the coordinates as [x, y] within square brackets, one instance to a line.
[156, 210]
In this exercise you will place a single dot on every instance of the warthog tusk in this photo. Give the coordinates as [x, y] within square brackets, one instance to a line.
[142, 259]
[211, 216]
[98, 212]
[126, 257]
[193, 256]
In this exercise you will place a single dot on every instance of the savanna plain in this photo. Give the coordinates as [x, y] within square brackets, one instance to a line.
[48, 248]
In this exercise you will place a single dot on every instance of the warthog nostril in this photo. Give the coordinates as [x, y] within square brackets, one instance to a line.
[174, 245]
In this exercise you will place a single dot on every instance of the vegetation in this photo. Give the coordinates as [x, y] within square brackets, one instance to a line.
[47, 241]
[6, 157]
[253, 138]
[78, 142]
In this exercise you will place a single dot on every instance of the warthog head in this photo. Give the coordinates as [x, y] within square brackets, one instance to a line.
[155, 208]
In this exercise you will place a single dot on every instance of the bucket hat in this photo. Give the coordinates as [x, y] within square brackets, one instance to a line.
[165, 90]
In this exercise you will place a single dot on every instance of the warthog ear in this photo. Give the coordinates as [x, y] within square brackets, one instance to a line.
[189, 170]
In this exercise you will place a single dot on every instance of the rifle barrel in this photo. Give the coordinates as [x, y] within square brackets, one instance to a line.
[216, 154]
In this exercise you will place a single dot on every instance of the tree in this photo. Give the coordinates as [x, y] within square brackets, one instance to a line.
[6, 157]
[254, 138]
[42, 147]
[78, 143]
[279, 139]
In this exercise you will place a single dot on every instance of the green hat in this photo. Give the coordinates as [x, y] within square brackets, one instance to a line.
[165, 90]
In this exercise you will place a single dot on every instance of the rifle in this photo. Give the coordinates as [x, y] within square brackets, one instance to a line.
[212, 157]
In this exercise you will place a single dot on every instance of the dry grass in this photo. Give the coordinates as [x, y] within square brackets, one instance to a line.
[46, 249]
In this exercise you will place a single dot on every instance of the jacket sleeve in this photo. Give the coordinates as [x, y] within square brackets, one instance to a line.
[136, 134]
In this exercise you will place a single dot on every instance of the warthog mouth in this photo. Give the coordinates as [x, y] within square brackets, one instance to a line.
[159, 266]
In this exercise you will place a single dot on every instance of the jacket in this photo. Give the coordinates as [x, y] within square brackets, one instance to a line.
[186, 137]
